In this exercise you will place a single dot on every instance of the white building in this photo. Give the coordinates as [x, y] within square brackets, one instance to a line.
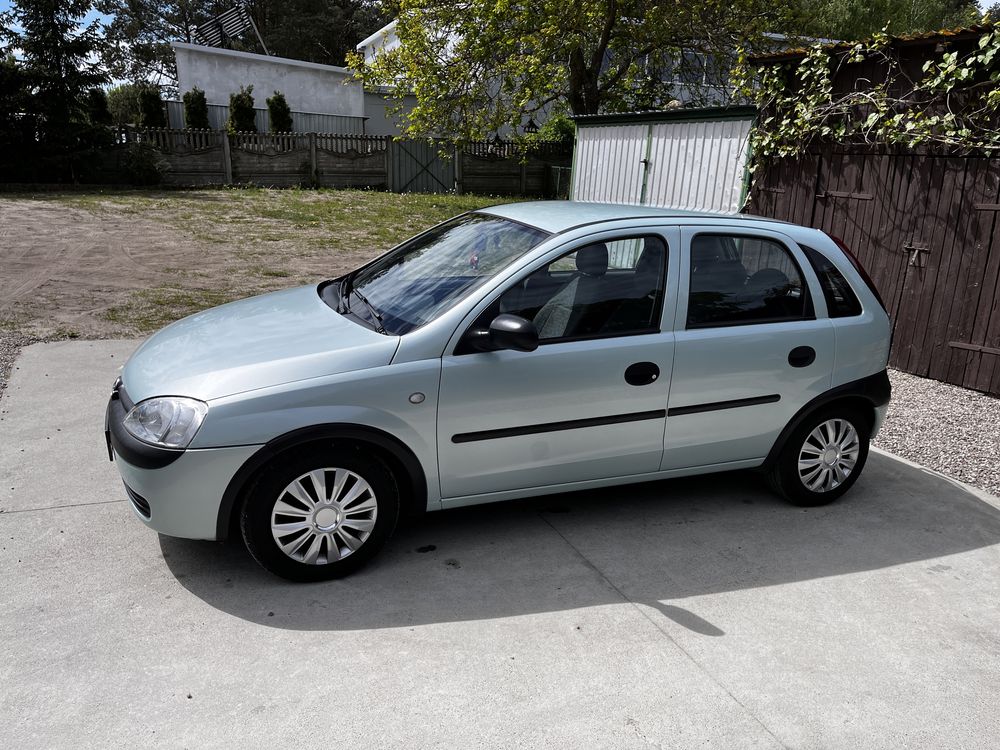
[323, 98]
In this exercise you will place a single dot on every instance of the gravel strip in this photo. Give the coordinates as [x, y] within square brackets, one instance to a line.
[945, 428]
[10, 347]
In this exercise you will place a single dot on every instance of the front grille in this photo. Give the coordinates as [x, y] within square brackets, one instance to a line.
[138, 502]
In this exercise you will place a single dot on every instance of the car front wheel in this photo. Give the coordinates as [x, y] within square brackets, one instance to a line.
[823, 457]
[321, 514]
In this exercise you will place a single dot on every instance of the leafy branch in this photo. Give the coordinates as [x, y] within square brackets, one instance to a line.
[954, 103]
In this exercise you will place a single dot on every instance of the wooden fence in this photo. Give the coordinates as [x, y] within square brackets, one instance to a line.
[927, 228]
[208, 157]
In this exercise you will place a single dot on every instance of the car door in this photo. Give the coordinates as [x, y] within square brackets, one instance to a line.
[590, 401]
[749, 348]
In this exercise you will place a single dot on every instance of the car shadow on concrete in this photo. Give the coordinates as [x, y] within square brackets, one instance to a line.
[655, 544]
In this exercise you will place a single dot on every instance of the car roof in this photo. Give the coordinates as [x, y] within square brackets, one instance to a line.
[560, 216]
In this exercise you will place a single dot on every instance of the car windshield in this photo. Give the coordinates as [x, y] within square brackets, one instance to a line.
[422, 278]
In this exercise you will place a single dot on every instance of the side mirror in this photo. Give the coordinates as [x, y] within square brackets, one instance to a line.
[513, 332]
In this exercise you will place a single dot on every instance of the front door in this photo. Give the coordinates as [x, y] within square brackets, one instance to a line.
[590, 401]
[750, 351]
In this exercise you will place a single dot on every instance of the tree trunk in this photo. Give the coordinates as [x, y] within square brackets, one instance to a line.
[584, 95]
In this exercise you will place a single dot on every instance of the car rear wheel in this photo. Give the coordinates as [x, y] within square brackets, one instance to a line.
[321, 514]
[823, 457]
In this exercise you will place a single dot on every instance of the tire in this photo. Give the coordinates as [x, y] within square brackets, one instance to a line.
[323, 538]
[822, 482]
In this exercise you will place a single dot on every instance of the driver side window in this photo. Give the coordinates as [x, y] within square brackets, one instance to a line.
[597, 290]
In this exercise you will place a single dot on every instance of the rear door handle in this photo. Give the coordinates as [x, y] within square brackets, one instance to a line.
[642, 373]
[801, 356]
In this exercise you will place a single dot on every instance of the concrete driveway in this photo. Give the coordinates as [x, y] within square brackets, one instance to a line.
[688, 613]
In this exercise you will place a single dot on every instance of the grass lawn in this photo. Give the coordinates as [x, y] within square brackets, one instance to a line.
[111, 263]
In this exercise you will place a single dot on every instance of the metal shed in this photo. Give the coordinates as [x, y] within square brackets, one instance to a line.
[688, 158]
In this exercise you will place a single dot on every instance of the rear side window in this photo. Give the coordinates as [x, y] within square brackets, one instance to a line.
[740, 280]
[841, 301]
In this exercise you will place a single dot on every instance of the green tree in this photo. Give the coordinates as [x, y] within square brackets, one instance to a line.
[151, 112]
[242, 118]
[279, 113]
[196, 109]
[97, 107]
[993, 13]
[322, 31]
[16, 119]
[57, 50]
[853, 20]
[123, 102]
[480, 65]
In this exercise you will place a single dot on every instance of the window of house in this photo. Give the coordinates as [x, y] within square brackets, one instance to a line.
[740, 280]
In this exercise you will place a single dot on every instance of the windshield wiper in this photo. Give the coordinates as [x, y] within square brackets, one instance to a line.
[376, 315]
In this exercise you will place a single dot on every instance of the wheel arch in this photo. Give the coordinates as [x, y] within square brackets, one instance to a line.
[865, 394]
[401, 460]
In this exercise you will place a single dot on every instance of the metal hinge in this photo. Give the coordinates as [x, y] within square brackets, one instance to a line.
[916, 259]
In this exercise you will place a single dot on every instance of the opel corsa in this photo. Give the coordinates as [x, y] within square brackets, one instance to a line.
[517, 350]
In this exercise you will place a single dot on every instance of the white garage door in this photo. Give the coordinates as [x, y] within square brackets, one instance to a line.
[697, 165]
[608, 166]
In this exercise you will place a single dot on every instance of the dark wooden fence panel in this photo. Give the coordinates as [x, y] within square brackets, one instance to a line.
[214, 157]
[927, 228]
[355, 161]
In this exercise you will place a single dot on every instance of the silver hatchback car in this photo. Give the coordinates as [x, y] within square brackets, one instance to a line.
[518, 350]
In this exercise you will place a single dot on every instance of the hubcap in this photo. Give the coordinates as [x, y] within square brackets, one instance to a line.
[829, 455]
[324, 516]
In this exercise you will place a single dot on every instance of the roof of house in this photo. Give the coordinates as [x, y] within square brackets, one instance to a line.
[377, 36]
[203, 49]
[904, 40]
[677, 114]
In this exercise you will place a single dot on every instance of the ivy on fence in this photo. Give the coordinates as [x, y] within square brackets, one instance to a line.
[954, 103]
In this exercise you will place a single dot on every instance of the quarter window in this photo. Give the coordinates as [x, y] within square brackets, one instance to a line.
[841, 301]
[737, 280]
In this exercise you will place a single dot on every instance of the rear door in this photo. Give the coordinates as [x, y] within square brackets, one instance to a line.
[750, 350]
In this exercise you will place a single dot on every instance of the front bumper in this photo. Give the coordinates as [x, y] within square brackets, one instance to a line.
[174, 492]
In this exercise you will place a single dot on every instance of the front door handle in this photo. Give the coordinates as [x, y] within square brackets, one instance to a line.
[801, 356]
[642, 373]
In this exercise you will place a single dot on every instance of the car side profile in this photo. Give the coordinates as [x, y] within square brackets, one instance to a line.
[517, 350]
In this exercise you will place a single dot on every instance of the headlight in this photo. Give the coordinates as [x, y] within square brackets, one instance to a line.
[170, 421]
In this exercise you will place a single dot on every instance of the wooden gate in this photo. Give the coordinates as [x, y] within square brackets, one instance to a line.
[926, 227]
[419, 167]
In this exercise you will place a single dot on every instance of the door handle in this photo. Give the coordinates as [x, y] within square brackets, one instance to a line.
[641, 373]
[801, 356]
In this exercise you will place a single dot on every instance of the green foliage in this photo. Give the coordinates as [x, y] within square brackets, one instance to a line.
[49, 84]
[479, 66]
[860, 19]
[123, 103]
[56, 48]
[16, 120]
[322, 31]
[196, 109]
[96, 101]
[143, 164]
[956, 104]
[241, 113]
[279, 113]
[151, 110]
